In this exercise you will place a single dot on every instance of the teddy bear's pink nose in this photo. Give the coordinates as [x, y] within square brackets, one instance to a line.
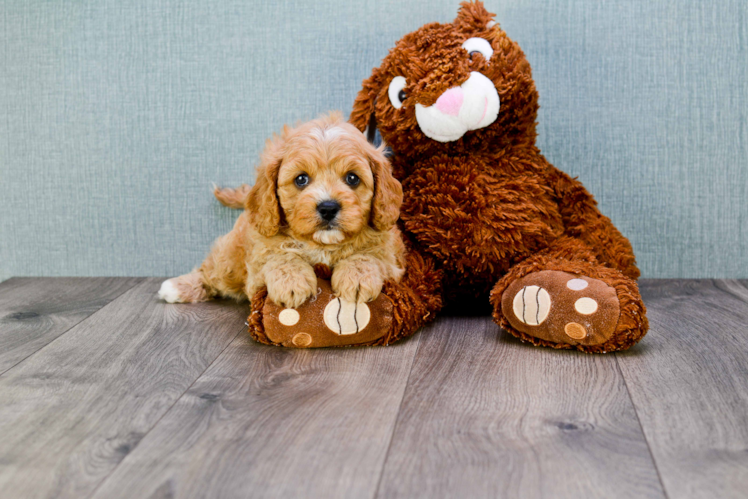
[450, 101]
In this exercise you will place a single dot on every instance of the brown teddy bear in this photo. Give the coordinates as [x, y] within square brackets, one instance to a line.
[485, 215]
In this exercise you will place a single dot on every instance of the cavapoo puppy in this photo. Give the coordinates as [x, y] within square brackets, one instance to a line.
[323, 195]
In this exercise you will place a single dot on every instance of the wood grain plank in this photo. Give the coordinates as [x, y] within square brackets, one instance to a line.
[689, 384]
[72, 411]
[485, 415]
[273, 422]
[35, 311]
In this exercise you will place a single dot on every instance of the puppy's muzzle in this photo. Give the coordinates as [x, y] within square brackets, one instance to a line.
[328, 210]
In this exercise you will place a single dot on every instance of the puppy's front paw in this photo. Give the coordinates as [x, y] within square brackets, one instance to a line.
[291, 289]
[353, 283]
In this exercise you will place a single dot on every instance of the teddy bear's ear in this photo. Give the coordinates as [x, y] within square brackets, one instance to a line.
[362, 114]
[473, 16]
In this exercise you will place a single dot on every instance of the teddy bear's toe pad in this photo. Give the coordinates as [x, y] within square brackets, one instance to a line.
[561, 307]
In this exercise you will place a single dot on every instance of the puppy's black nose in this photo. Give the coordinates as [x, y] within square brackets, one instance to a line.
[328, 209]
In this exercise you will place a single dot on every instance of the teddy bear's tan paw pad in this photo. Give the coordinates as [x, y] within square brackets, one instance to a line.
[301, 339]
[345, 317]
[531, 305]
[561, 307]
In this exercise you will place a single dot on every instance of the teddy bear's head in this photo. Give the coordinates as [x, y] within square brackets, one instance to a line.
[451, 88]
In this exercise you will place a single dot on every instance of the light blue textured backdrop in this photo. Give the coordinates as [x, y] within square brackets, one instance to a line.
[116, 117]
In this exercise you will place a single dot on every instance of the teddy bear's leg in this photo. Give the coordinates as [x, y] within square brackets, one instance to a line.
[416, 298]
[564, 298]
[325, 320]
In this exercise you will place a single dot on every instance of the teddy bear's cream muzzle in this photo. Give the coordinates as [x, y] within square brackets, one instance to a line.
[472, 105]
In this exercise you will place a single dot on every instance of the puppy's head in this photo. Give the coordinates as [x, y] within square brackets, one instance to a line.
[323, 182]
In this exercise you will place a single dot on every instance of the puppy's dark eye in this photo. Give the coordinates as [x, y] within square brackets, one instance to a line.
[301, 180]
[401, 95]
[474, 53]
[352, 179]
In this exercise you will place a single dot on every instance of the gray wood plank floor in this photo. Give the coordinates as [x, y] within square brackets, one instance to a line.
[35, 311]
[73, 410]
[490, 416]
[107, 392]
[271, 422]
[689, 383]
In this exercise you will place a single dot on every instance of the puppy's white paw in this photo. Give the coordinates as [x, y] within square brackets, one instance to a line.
[168, 292]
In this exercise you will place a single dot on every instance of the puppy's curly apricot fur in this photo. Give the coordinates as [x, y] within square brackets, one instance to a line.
[323, 195]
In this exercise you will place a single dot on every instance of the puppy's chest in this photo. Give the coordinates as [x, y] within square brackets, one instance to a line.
[314, 254]
[319, 256]
[327, 256]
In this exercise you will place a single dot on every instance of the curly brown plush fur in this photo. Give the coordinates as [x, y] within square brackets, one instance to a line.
[486, 209]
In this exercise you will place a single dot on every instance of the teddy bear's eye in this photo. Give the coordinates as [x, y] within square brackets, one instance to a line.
[301, 180]
[396, 92]
[476, 46]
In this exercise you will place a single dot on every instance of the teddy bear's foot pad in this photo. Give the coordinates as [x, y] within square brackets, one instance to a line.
[561, 307]
[326, 321]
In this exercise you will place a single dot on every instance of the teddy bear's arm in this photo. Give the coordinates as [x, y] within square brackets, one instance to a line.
[583, 220]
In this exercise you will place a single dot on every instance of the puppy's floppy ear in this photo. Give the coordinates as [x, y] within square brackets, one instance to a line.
[362, 114]
[262, 202]
[473, 16]
[388, 193]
